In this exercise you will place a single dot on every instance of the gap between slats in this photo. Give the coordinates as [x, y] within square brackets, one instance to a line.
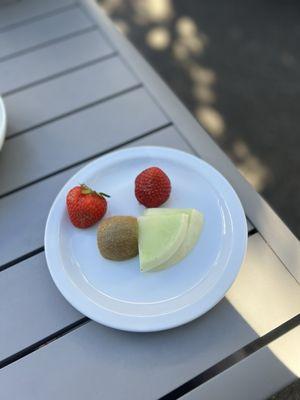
[22, 258]
[37, 18]
[233, 359]
[35, 346]
[78, 109]
[46, 44]
[64, 72]
[198, 380]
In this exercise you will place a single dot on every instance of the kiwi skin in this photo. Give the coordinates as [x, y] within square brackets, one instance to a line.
[117, 238]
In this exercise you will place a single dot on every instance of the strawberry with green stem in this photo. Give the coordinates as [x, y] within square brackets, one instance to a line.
[85, 206]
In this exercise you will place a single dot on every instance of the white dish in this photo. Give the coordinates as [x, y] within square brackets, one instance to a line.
[117, 294]
[3, 122]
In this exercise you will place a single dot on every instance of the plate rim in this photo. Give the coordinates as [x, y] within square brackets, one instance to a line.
[141, 323]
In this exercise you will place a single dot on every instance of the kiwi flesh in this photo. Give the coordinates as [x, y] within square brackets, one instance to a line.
[117, 238]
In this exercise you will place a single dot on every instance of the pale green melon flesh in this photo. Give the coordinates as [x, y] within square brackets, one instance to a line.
[193, 231]
[159, 238]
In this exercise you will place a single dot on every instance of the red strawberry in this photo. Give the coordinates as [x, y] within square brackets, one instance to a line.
[85, 206]
[152, 187]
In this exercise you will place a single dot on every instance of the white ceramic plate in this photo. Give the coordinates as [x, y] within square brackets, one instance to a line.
[117, 294]
[2, 122]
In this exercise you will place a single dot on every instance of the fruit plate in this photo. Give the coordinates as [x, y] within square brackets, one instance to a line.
[117, 294]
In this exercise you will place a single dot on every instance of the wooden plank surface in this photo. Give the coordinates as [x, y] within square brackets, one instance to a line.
[79, 136]
[40, 103]
[257, 377]
[51, 60]
[30, 304]
[23, 11]
[42, 31]
[127, 365]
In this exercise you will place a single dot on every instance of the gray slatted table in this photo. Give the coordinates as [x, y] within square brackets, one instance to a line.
[64, 71]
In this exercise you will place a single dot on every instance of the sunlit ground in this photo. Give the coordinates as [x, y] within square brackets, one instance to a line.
[224, 74]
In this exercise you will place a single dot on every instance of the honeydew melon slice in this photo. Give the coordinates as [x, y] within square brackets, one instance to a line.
[195, 225]
[160, 236]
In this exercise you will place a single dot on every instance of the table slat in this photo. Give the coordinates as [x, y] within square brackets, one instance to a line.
[97, 362]
[50, 60]
[257, 377]
[31, 300]
[42, 31]
[127, 365]
[33, 314]
[265, 293]
[21, 11]
[84, 134]
[51, 99]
